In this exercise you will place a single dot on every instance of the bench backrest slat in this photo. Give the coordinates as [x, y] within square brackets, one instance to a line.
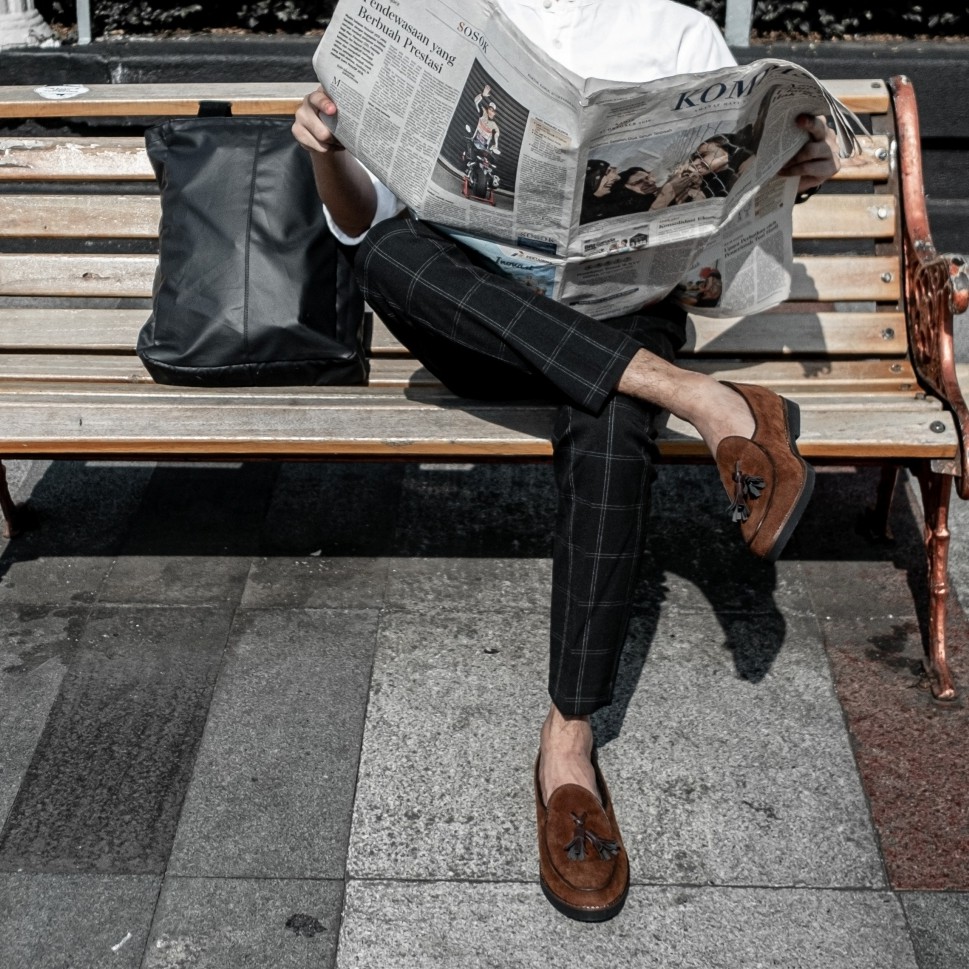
[147, 100]
[824, 278]
[136, 217]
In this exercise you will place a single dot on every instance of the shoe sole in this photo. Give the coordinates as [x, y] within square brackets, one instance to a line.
[807, 489]
[584, 914]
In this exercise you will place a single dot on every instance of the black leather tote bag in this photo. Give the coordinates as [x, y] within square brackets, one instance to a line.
[251, 286]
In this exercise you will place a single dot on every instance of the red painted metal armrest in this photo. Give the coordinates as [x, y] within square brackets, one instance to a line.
[936, 286]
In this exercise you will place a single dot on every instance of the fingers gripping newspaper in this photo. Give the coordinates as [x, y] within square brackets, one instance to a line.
[603, 195]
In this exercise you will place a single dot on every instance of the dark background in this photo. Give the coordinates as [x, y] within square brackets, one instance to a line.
[794, 18]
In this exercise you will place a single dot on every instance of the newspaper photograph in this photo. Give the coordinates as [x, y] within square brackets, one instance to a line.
[603, 195]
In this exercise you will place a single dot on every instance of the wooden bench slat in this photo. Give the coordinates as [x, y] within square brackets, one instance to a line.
[846, 278]
[825, 278]
[79, 216]
[155, 100]
[809, 396]
[137, 217]
[791, 334]
[870, 375]
[145, 100]
[61, 274]
[846, 217]
[124, 158]
[784, 334]
[402, 427]
[27, 159]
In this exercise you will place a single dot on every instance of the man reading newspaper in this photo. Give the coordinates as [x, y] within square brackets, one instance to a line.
[486, 336]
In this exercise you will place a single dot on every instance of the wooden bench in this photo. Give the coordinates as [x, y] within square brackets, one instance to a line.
[864, 345]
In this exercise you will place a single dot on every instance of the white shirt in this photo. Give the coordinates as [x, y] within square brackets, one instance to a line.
[618, 40]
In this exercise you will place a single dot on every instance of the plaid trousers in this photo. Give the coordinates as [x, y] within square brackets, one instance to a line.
[488, 337]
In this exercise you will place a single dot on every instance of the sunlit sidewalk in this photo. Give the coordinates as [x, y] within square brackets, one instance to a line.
[287, 715]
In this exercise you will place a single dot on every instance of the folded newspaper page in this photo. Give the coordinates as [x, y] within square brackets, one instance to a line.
[603, 195]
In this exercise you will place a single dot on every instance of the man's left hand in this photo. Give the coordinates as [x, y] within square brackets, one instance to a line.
[818, 159]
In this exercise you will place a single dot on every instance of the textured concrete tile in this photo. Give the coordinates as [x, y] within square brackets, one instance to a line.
[195, 536]
[74, 921]
[491, 510]
[104, 787]
[273, 785]
[444, 788]
[83, 510]
[238, 924]
[316, 582]
[441, 925]
[333, 509]
[939, 924]
[720, 776]
[470, 584]
[725, 777]
[36, 644]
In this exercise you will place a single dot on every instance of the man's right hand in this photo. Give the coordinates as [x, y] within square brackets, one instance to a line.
[308, 127]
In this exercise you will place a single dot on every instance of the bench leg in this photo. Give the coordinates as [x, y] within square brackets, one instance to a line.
[14, 516]
[936, 491]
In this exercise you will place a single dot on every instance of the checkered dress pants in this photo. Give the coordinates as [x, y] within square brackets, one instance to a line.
[488, 337]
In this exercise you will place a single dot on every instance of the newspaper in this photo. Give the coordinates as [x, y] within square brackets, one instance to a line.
[603, 195]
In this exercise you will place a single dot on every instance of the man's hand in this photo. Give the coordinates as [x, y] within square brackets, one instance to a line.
[309, 129]
[818, 159]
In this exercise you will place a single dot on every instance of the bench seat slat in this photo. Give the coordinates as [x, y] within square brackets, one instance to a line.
[823, 278]
[784, 334]
[402, 427]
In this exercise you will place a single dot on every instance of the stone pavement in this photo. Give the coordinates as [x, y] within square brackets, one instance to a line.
[285, 716]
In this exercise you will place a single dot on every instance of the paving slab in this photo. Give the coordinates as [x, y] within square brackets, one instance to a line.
[703, 762]
[444, 789]
[84, 510]
[75, 921]
[105, 784]
[469, 584]
[36, 644]
[273, 783]
[316, 582]
[245, 924]
[195, 537]
[939, 922]
[726, 778]
[440, 925]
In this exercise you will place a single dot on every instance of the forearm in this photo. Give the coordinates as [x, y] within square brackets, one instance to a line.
[345, 189]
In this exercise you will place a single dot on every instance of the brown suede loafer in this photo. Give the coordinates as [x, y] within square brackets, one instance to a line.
[768, 480]
[582, 863]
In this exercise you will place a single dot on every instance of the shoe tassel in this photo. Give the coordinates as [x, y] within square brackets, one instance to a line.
[745, 487]
[575, 849]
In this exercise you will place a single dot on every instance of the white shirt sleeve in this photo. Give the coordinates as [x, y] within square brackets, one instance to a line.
[388, 205]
